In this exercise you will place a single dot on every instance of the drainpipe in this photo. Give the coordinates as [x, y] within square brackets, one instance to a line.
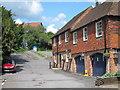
[105, 46]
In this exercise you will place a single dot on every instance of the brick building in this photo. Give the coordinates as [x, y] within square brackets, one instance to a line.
[90, 41]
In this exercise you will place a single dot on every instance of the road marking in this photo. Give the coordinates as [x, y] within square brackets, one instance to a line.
[3, 82]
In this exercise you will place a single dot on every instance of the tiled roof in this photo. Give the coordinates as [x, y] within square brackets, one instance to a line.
[106, 8]
[91, 14]
[72, 21]
[35, 24]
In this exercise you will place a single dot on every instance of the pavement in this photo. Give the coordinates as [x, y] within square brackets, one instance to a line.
[33, 72]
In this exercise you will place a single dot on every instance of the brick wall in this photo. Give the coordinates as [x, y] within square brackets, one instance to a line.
[93, 45]
[113, 30]
[112, 38]
[113, 64]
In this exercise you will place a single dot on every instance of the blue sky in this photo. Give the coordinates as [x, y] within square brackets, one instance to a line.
[53, 15]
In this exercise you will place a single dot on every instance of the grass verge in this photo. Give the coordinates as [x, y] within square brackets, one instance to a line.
[21, 50]
[40, 54]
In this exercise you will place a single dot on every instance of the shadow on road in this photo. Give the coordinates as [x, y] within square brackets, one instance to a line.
[18, 58]
[19, 62]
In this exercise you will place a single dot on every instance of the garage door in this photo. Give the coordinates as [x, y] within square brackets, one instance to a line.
[99, 64]
[80, 65]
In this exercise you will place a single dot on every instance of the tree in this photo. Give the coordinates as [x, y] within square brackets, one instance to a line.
[0, 35]
[12, 34]
[37, 36]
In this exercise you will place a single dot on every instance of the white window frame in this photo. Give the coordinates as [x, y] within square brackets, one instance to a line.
[59, 39]
[97, 30]
[66, 36]
[54, 42]
[75, 39]
[85, 34]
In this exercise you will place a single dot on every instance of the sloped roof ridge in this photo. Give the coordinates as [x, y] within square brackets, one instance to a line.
[114, 9]
[109, 9]
[81, 13]
[88, 18]
[74, 17]
[89, 8]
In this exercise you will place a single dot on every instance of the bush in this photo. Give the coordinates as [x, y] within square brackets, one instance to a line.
[21, 50]
[108, 75]
[112, 74]
[43, 49]
[117, 74]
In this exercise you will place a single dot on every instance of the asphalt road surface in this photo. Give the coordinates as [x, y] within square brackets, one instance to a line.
[33, 72]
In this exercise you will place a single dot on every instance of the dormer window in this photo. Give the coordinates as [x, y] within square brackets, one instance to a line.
[99, 28]
[66, 36]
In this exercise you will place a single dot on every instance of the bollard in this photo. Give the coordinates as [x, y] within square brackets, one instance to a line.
[50, 66]
[86, 73]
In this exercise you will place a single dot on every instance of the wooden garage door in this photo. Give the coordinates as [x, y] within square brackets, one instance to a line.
[99, 64]
[80, 68]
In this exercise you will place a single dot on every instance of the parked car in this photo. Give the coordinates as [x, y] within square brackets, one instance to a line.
[8, 66]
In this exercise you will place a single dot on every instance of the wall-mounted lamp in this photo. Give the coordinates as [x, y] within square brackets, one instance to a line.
[82, 56]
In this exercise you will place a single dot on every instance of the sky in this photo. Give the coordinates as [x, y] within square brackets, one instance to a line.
[53, 15]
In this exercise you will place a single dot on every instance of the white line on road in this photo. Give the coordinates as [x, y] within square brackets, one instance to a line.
[3, 82]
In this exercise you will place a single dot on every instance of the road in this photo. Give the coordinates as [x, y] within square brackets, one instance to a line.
[33, 72]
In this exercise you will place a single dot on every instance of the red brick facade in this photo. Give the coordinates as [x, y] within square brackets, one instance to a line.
[109, 41]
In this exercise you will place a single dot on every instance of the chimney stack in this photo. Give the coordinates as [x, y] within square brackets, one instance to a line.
[97, 2]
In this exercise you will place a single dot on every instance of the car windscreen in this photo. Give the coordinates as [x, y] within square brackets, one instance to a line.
[8, 62]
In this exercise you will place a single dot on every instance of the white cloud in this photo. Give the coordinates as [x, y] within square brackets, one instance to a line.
[59, 19]
[51, 28]
[27, 9]
[18, 21]
[65, 22]
[35, 8]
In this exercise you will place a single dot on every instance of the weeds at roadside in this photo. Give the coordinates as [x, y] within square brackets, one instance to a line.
[40, 54]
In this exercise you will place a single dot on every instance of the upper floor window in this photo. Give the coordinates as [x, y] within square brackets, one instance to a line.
[66, 36]
[59, 39]
[54, 41]
[85, 34]
[74, 37]
[99, 28]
